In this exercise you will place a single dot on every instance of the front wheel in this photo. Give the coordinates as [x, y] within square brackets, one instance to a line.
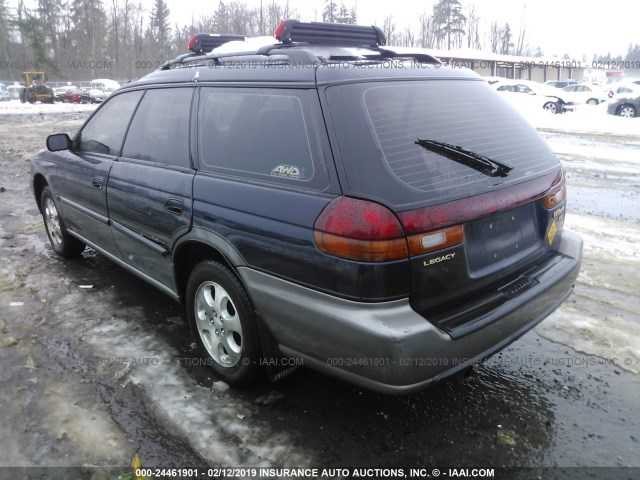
[223, 322]
[61, 241]
[627, 111]
[550, 107]
[592, 101]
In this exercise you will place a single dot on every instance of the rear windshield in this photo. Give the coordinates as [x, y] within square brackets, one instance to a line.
[377, 125]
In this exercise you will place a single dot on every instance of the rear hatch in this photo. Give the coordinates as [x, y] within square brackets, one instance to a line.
[479, 194]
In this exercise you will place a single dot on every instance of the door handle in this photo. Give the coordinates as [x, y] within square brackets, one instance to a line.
[98, 182]
[174, 205]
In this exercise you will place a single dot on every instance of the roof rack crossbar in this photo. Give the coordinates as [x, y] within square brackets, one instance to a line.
[319, 33]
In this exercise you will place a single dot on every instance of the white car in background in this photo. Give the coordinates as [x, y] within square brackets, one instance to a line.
[583, 93]
[4, 93]
[527, 93]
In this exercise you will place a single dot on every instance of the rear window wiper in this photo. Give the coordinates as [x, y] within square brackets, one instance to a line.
[466, 157]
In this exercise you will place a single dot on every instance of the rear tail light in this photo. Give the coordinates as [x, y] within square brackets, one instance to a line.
[366, 231]
[360, 230]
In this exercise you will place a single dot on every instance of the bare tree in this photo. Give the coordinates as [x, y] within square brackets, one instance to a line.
[389, 30]
[426, 37]
[500, 39]
[520, 47]
[473, 29]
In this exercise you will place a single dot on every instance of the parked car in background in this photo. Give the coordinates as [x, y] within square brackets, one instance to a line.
[526, 93]
[583, 93]
[603, 86]
[105, 84]
[75, 96]
[626, 103]
[561, 83]
[97, 95]
[58, 92]
[14, 91]
[624, 87]
[4, 93]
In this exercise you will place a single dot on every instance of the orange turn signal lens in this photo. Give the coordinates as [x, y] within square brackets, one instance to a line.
[556, 196]
[361, 250]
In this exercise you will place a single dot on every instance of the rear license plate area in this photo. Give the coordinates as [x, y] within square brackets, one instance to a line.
[501, 238]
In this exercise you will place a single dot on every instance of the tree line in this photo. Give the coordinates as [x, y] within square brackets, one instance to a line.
[121, 39]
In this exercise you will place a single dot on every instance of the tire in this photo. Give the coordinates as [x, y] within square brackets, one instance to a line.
[592, 101]
[223, 323]
[550, 107]
[627, 111]
[61, 241]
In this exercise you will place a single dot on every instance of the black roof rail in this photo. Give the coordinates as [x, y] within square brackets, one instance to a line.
[318, 33]
[418, 56]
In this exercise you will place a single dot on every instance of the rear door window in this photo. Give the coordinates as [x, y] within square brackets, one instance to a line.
[159, 131]
[377, 126]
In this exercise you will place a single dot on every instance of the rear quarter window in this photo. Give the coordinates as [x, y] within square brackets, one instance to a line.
[377, 125]
[268, 135]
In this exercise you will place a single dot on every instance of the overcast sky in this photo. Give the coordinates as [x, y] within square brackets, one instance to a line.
[575, 27]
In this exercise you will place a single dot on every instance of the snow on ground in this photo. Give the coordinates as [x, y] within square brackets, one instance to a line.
[14, 107]
[602, 317]
[225, 436]
[585, 119]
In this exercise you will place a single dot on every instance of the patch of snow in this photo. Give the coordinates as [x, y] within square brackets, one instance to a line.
[602, 317]
[14, 107]
[585, 119]
[207, 418]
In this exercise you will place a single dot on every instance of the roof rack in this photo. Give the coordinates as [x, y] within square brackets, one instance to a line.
[206, 42]
[318, 33]
[292, 33]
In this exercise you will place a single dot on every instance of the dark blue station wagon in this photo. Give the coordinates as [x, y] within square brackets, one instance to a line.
[387, 219]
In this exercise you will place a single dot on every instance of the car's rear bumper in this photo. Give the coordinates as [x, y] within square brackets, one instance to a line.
[389, 347]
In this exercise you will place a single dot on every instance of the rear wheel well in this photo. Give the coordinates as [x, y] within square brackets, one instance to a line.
[190, 255]
[39, 183]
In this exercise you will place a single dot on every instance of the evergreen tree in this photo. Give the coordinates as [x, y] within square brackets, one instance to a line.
[633, 54]
[160, 28]
[221, 19]
[330, 12]
[449, 23]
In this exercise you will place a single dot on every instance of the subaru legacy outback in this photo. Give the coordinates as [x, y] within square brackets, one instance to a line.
[384, 218]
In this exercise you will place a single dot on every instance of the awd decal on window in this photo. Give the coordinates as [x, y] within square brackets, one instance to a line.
[288, 171]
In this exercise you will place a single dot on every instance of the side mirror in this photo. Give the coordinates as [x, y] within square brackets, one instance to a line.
[58, 142]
